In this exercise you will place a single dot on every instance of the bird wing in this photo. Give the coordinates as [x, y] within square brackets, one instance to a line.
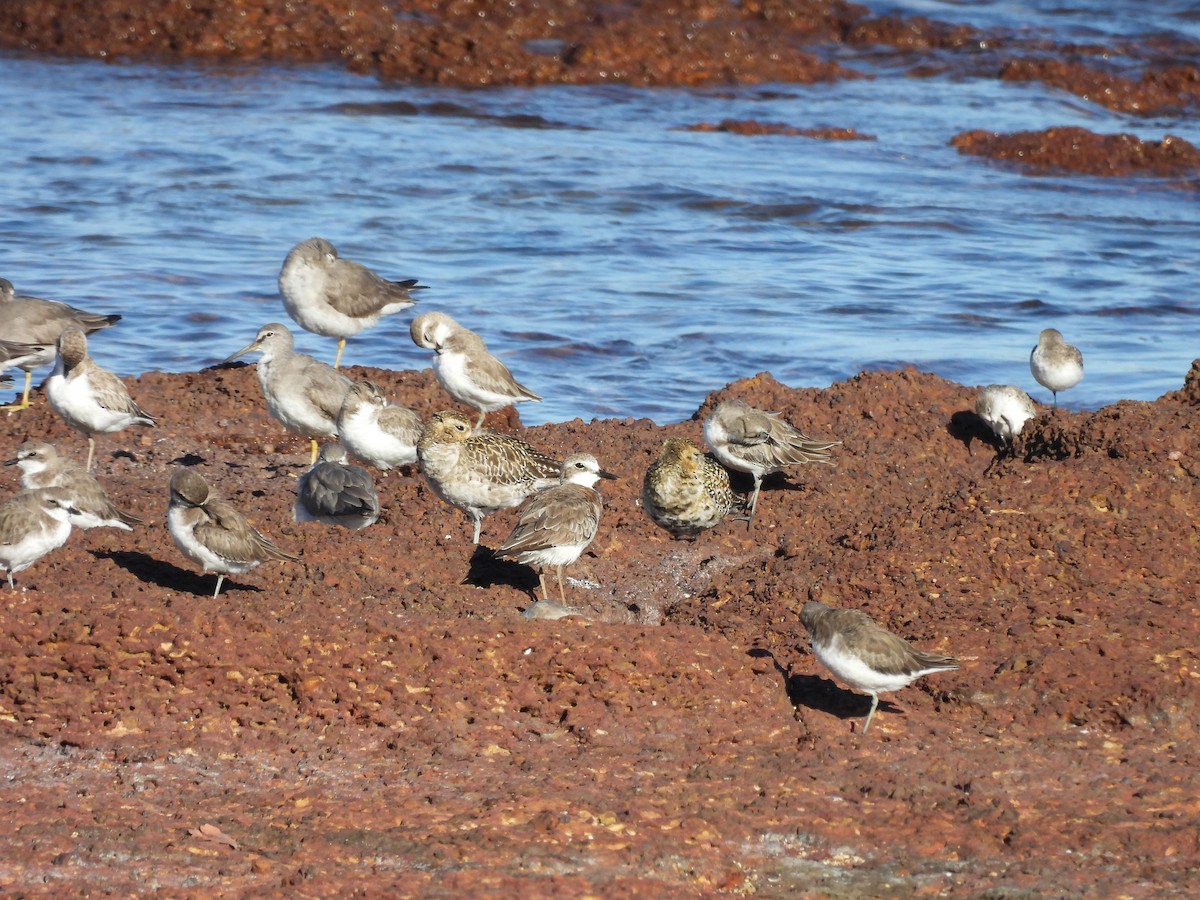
[402, 422]
[324, 386]
[110, 392]
[357, 291]
[229, 535]
[492, 375]
[567, 514]
[886, 653]
[767, 440]
[329, 489]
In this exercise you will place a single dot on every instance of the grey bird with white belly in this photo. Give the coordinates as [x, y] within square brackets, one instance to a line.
[1005, 409]
[757, 442]
[42, 467]
[378, 433]
[864, 655]
[465, 367]
[302, 393]
[88, 398]
[31, 525]
[559, 523]
[210, 532]
[34, 322]
[1055, 364]
[336, 297]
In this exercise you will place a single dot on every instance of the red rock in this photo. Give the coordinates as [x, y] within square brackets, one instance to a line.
[379, 715]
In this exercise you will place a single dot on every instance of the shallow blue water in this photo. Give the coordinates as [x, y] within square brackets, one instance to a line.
[618, 264]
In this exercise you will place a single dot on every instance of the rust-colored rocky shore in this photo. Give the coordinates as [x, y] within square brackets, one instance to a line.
[379, 718]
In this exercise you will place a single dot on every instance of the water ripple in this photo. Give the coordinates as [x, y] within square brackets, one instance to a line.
[618, 265]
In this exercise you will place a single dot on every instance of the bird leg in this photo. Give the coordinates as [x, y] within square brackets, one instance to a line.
[479, 424]
[338, 359]
[316, 449]
[753, 502]
[562, 591]
[24, 402]
[542, 580]
[10, 581]
[874, 703]
[91, 450]
[220, 578]
[478, 520]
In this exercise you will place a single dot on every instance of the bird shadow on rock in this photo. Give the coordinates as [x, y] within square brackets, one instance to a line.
[149, 570]
[966, 426]
[743, 484]
[487, 570]
[824, 695]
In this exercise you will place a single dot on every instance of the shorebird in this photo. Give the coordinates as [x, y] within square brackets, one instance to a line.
[303, 394]
[481, 472]
[337, 297]
[336, 493]
[376, 432]
[88, 398]
[684, 491]
[37, 322]
[865, 655]
[1005, 409]
[465, 368]
[559, 523]
[31, 525]
[211, 533]
[760, 443]
[1055, 364]
[42, 467]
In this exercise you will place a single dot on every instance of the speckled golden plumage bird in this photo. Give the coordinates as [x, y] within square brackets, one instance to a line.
[481, 472]
[685, 491]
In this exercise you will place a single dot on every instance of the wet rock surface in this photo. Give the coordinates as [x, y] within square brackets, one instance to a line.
[1082, 151]
[752, 127]
[380, 717]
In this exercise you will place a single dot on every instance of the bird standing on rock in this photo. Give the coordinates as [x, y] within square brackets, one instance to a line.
[1005, 409]
[376, 432]
[37, 324]
[760, 443]
[42, 467]
[684, 491]
[336, 297]
[88, 398]
[559, 523]
[481, 472]
[866, 655]
[1057, 365]
[31, 525]
[210, 532]
[464, 366]
[302, 393]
